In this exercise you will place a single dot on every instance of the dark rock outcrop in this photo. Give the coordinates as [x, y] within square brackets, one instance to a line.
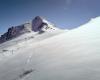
[14, 32]
[36, 26]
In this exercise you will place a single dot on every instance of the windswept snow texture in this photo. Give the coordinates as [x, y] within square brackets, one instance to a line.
[72, 55]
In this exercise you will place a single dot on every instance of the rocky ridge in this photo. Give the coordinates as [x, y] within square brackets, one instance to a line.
[36, 25]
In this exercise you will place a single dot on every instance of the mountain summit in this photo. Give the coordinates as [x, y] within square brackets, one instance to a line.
[38, 24]
[72, 55]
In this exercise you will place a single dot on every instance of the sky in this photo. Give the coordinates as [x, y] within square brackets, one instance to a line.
[65, 14]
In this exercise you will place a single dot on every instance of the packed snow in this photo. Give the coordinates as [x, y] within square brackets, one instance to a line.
[69, 55]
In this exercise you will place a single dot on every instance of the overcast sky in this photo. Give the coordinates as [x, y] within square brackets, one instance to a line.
[67, 14]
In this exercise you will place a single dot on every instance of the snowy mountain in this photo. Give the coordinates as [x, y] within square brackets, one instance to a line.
[69, 55]
[38, 25]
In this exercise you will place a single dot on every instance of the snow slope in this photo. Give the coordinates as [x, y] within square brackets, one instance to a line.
[72, 55]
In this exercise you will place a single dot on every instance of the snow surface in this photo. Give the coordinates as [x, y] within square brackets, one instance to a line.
[72, 55]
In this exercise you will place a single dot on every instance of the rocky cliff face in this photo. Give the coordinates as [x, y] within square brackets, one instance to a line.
[36, 26]
[13, 32]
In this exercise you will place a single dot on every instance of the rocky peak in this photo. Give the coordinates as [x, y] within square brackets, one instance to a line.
[36, 25]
